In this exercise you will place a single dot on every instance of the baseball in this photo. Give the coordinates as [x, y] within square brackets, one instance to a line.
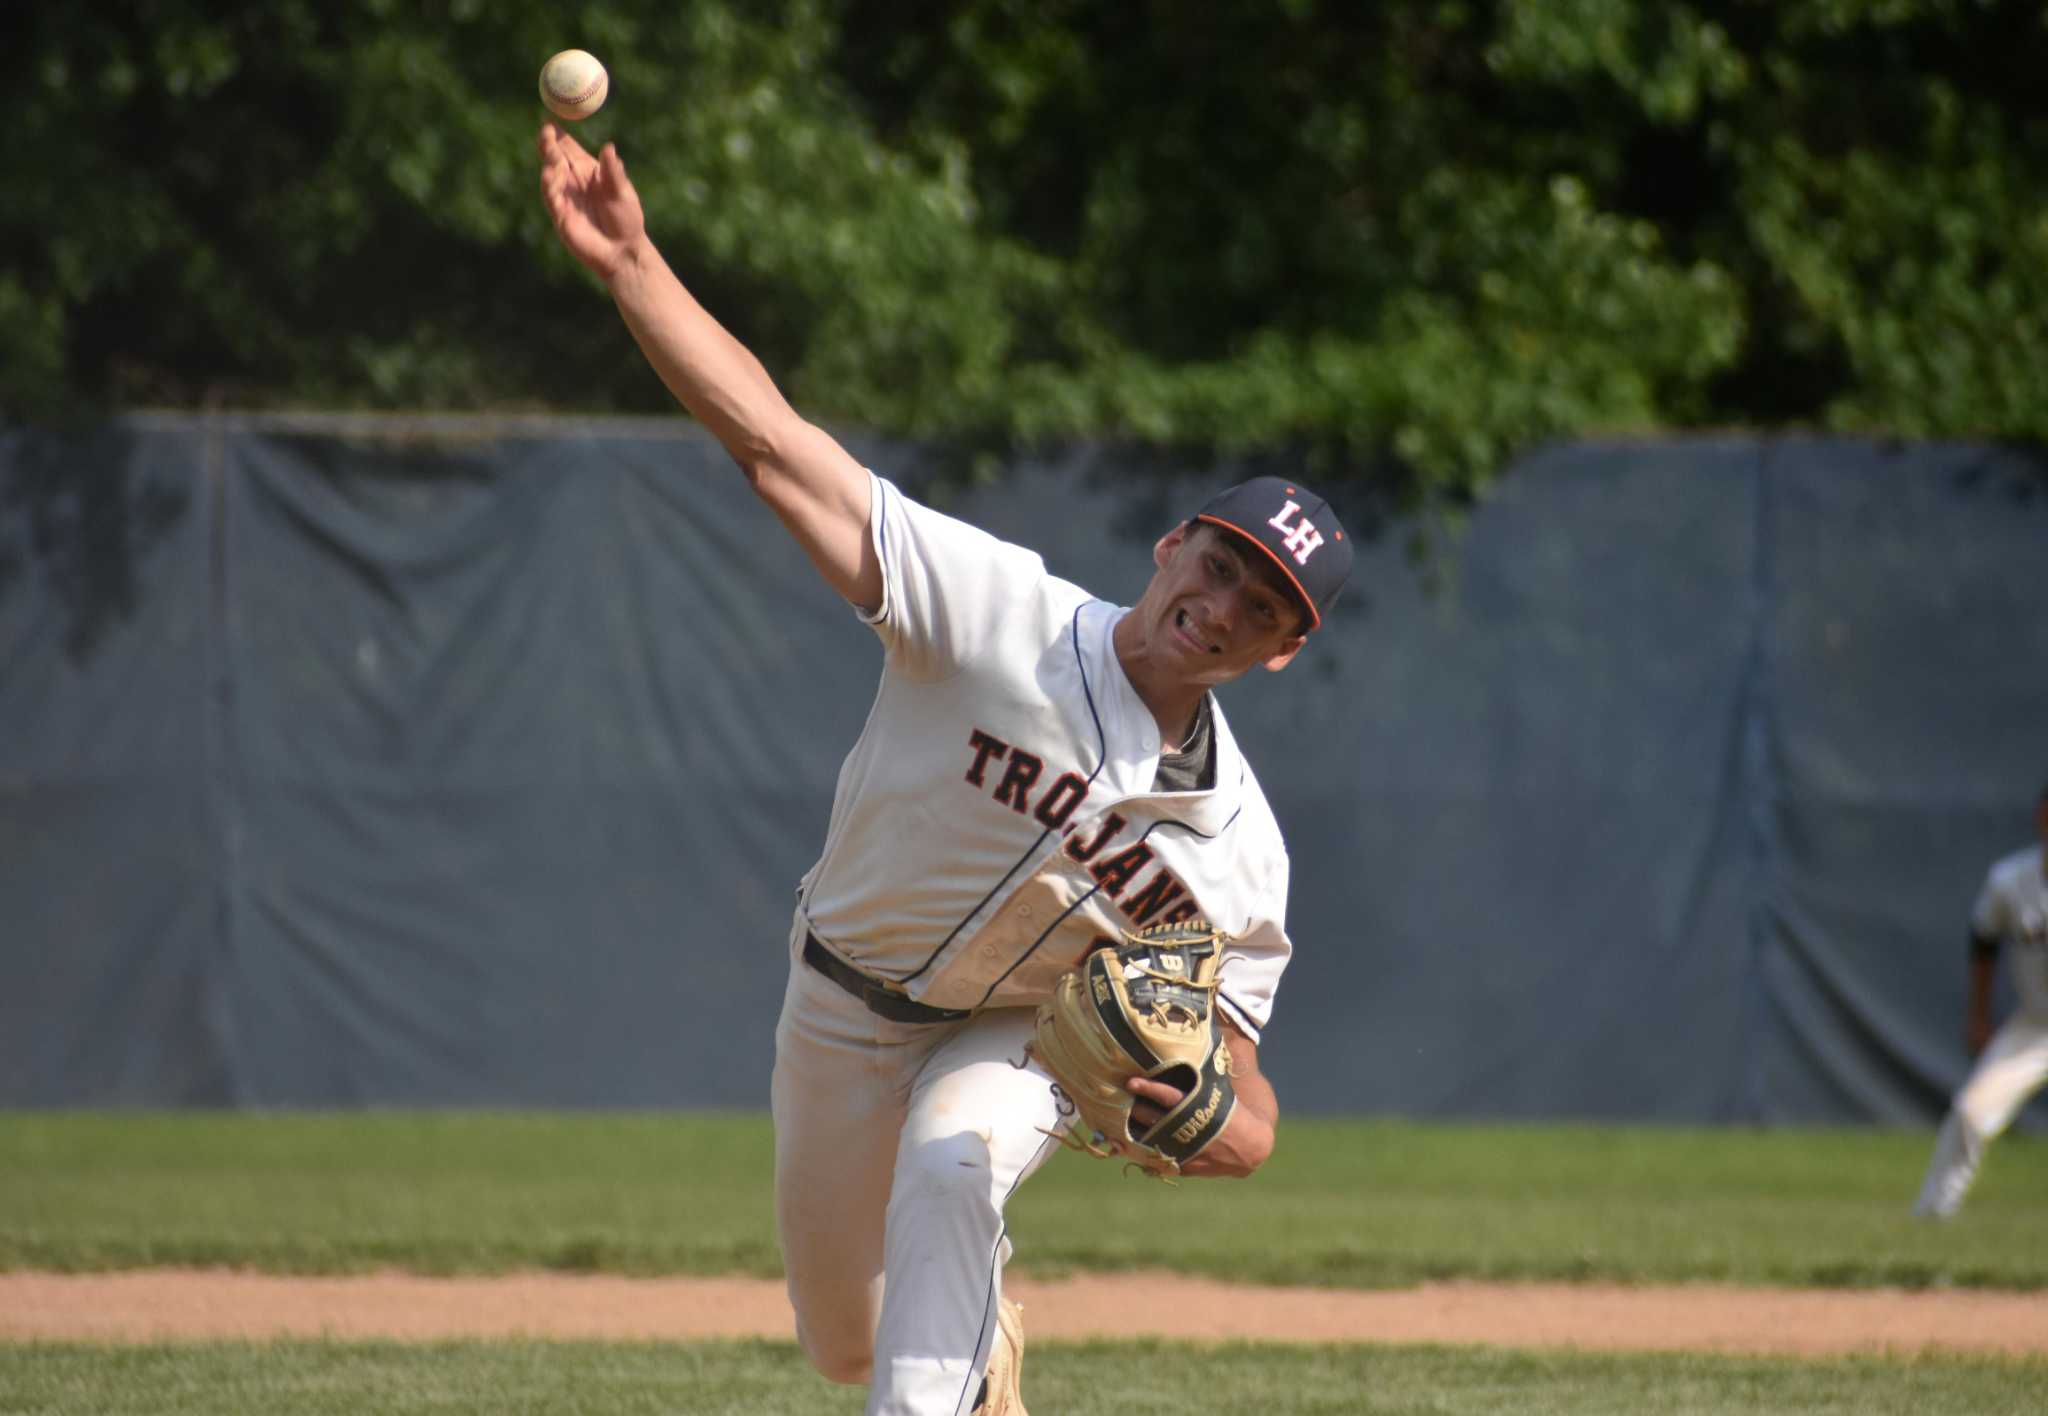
[573, 84]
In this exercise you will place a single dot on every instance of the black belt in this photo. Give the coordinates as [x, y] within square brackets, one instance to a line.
[882, 1001]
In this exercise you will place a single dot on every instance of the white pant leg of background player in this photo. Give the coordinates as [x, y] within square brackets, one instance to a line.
[899, 1145]
[2014, 1066]
[2012, 910]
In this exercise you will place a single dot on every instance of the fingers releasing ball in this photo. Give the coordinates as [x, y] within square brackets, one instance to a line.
[573, 84]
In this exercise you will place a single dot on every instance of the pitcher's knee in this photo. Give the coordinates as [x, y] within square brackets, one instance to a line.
[948, 1171]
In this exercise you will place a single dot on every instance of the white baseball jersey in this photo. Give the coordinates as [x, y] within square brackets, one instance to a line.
[997, 816]
[2013, 907]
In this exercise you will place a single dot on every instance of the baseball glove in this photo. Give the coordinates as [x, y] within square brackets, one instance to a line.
[1145, 1007]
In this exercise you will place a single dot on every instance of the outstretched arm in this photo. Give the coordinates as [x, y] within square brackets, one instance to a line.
[814, 486]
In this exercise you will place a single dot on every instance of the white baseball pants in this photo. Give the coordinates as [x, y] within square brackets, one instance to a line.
[2014, 1066]
[897, 1146]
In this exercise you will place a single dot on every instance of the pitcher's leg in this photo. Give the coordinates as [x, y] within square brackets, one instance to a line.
[838, 1109]
[975, 1132]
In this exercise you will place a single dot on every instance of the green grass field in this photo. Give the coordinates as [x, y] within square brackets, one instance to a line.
[1375, 1203]
[1092, 1379]
[1344, 1203]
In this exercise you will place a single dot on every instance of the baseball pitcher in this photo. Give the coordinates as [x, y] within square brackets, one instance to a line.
[1050, 903]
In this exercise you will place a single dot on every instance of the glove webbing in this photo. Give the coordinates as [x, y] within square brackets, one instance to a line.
[1209, 1098]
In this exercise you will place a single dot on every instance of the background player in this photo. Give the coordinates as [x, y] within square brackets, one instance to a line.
[1040, 769]
[2012, 1064]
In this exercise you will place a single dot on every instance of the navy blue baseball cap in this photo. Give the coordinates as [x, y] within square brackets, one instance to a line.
[1295, 528]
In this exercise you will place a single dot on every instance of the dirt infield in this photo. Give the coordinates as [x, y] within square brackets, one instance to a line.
[191, 1305]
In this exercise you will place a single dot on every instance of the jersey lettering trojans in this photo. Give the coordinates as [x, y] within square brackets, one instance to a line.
[997, 816]
[1113, 871]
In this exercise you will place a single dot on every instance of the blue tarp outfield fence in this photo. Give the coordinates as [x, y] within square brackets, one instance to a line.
[449, 762]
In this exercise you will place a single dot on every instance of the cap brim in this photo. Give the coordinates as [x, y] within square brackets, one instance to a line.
[1315, 616]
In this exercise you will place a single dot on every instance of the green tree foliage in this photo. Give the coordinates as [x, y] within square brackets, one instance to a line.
[1406, 240]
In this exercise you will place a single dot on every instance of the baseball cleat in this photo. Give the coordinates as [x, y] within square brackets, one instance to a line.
[999, 1389]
